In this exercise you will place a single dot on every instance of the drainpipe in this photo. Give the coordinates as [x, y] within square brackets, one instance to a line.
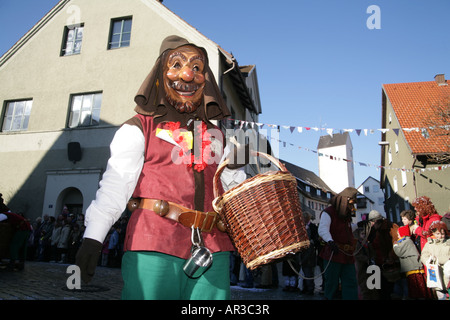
[414, 175]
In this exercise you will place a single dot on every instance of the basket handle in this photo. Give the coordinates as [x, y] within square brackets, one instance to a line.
[223, 165]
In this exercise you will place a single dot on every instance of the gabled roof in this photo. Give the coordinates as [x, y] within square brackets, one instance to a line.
[413, 103]
[338, 139]
[367, 179]
[234, 69]
[307, 176]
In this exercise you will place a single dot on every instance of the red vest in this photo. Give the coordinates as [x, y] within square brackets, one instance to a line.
[341, 232]
[163, 179]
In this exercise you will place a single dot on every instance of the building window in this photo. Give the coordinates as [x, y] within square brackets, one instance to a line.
[120, 34]
[407, 206]
[366, 189]
[390, 156]
[85, 110]
[17, 115]
[395, 184]
[318, 192]
[404, 178]
[73, 37]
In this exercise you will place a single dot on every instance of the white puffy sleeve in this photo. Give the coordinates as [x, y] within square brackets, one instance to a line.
[118, 182]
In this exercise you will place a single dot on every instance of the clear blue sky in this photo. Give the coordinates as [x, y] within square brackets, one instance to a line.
[318, 63]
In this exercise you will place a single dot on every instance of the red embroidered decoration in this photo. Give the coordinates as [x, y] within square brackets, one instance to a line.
[200, 157]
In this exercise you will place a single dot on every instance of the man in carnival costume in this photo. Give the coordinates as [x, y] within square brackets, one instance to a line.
[165, 158]
[336, 230]
[426, 214]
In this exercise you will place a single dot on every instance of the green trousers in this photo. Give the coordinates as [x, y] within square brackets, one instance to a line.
[342, 273]
[157, 276]
[18, 246]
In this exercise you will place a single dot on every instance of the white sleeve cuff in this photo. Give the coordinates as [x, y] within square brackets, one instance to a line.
[97, 231]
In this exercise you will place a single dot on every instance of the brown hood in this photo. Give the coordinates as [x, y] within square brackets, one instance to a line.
[340, 201]
[151, 101]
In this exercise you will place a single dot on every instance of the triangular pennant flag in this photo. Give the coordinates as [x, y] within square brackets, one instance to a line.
[330, 132]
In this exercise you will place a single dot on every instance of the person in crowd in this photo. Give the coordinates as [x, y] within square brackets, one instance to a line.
[382, 235]
[336, 231]
[75, 238]
[105, 251]
[308, 256]
[364, 257]
[426, 215]
[63, 242]
[409, 219]
[45, 235]
[290, 273]
[56, 234]
[410, 264]
[438, 248]
[113, 246]
[33, 241]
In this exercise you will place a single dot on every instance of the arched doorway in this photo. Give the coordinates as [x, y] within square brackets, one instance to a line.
[72, 199]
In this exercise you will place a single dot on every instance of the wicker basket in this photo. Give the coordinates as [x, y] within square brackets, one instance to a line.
[262, 215]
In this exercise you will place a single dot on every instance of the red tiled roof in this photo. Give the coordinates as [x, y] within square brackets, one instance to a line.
[413, 103]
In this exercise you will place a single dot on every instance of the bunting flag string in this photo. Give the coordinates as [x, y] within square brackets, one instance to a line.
[241, 124]
[331, 131]
[363, 164]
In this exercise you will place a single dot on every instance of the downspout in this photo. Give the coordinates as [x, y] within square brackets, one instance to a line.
[414, 175]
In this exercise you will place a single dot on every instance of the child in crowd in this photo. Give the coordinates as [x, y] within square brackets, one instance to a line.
[409, 219]
[438, 247]
[410, 264]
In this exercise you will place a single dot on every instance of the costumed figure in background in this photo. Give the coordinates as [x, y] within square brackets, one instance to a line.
[165, 158]
[336, 230]
[19, 242]
[426, 215]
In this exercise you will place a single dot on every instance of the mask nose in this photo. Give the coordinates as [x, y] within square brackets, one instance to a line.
[187, 74]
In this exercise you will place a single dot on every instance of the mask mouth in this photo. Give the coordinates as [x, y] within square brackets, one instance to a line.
[184, 89]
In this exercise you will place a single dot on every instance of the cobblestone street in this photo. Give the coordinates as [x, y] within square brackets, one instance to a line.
[47, 281]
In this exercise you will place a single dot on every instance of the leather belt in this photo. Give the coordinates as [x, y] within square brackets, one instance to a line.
[189, 218]
[346, 247]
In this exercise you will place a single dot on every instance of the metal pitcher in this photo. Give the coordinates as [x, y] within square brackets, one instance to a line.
[198, 263]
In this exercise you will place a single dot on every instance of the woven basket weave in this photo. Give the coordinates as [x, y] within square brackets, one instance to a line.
[262, 215]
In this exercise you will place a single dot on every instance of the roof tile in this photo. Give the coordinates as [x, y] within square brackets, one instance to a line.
[413, 103]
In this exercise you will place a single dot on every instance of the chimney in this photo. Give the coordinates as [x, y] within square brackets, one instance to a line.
[440, 79]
